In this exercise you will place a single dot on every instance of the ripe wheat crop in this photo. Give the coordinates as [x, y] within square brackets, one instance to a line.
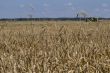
[54, 47]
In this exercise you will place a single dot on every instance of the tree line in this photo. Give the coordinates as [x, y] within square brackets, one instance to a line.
[53, 19]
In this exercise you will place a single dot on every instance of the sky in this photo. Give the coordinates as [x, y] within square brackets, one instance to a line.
[53, 8]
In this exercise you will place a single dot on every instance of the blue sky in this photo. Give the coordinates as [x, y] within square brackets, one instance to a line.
[53, 8]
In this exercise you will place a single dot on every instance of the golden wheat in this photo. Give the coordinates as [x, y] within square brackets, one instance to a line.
[55, 47]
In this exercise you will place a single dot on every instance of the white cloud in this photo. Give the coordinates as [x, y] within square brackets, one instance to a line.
[102, 10]
[105, 5]
[106, 10]
[69, 4]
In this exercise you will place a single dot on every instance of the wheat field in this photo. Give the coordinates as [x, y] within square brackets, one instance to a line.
[54, 47]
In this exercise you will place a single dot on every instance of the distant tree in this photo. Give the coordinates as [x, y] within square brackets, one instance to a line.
[92, 19]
